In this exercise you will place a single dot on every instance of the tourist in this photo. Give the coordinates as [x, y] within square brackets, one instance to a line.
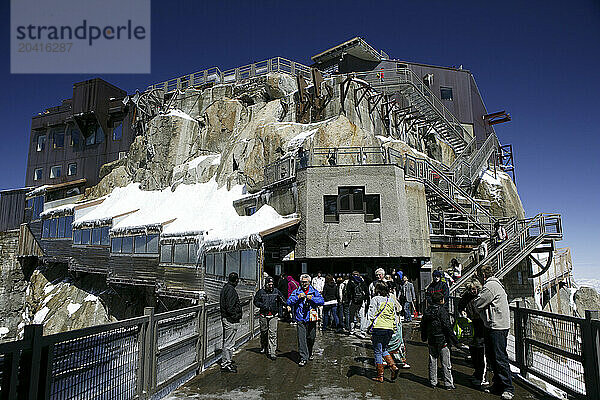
[269, 302]
[407, 297]
[436, 330]
[331, 303]
[438, 286]
[282, 286]
[305, 301]
[379, 277]
[318, 282]
[344, 296]
[382, 318]
[231, 314]
[476, 344]
[357, 295]
[492, 304]
[396, 347]
[457, 268]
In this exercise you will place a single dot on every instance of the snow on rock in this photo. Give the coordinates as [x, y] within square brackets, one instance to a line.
[72, 308]
[3, 330]
[178, 113]
[39, 316]
[91, 297]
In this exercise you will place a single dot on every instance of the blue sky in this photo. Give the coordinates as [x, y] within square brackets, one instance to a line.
[539, 60]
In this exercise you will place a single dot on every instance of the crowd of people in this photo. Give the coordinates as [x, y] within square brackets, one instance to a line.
[375, 310]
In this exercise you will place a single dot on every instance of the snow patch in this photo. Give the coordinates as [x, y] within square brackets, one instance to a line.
[72, 308]
[299, 139]
[66, 208]
[3, 330]
[91, 297]
[37, 191]
[48, 287]
[39, 316]
[178, 113]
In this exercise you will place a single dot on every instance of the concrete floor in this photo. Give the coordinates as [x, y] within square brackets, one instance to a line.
[341, 369]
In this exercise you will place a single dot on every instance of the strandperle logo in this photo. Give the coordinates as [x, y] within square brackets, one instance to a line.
[80, 36]
[84, 31]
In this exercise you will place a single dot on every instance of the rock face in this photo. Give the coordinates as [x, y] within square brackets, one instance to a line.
[501, 191]
[12, 286]
[586, 299]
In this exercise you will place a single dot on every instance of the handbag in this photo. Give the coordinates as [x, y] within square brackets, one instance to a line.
[313, 315]
[370, 328]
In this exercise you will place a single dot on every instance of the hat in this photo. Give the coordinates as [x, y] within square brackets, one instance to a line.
[437, 273]
[268, 280]
[400, 274]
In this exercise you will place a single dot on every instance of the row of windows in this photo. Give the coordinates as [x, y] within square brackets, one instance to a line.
[94, 135]
[352, 200]
[139, 244]
[222, 264]
[92, 236]
[55, 171]
[57, 227]
[179, 253]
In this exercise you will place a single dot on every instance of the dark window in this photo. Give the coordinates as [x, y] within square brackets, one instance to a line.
[53, 228]
[446, 93]
[250, 210]
[85, 236]
[351, 199]
[96, 236]
[61, 227]
[118, 131]
[248, 264]
[41, 142]
[105, 237]
[55, 172]
[68, 226]
[181, 253]
[38, 207]
[46, 228]
[372, 208]
[152, 244]
[140, 244]
[219, 264]
[116, 243]
[193, 253]
[232, 262]
[344, 199]
[99, 135]
[90, 135]
[58, 139]
[75, 137]
[166, 253]
[209, 262]
[38, 174]
[76, 236]
[330, 207]
[72, 169]
[127, 246]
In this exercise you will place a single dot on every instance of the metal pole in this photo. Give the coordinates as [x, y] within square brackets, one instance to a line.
[30, 362]
[590, 349]
[519, 341]
[149, 352]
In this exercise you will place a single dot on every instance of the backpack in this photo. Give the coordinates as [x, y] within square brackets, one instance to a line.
[358, 294]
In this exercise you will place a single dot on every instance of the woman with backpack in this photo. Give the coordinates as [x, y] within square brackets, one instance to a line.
[382, 317]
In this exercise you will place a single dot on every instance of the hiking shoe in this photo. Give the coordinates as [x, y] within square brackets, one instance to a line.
[450, 387]
[272, 357]
[405, 366]
[302, 363]
[507, 395]
[229, 368]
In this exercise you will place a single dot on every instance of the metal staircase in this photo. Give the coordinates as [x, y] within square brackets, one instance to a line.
[524, 236]
[467, 168]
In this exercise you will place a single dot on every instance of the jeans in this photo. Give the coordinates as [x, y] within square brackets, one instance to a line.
[478, 359]
[407, 311]
[354, 310]
[444, 355]
[380, 339]
[268, 333]
[307, 332]
[229, 333]
[330, 313]
[495, 351]
[346, 310]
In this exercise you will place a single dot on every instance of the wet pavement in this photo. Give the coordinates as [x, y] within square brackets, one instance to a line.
[341, 369]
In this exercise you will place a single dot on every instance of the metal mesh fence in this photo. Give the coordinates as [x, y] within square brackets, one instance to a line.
[99, 366]
[179, 329]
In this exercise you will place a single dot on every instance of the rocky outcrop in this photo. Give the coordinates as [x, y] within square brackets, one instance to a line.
[500, 190]
[12, 286]
[586, 298]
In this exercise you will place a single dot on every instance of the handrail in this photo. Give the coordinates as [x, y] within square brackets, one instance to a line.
[215, 75]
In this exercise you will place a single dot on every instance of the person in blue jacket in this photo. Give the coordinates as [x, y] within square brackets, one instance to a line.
[305, 301]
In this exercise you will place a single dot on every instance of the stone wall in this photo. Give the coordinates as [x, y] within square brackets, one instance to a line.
[12, 286]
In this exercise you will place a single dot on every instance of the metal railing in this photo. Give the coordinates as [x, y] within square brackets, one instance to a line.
[466, 168]
[457, 224]
[139, 358]
[215, 75]
[561, 350]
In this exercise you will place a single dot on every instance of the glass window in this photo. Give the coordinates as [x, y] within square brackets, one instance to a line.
[38, 207]
[181, 253]
[41, 142]
[53, 227]
[152, 244]
[344, 196]
[72, 169]
[91, 139]
[96, 236]
[209, 262]
[248, 264]
[46, 228]
[351, 199]
[232, 262]
[250, 210]
[61, 227]
[68, 226]
[85, 236]
[99, 134]
[75, 137]
[219, 264]
[38, 174]
[140, 244]
[357, 199]
[446, 93]
[118, 131]
[166, 253]
[104, 236]
[76, 236]
[193, 253]
[372, 208]
[330, 208]
[127, 245]
[58, 139]
[55, 172]
[116, 243]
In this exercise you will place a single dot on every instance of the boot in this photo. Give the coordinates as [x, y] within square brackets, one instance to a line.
[390, 361]
[379, 377]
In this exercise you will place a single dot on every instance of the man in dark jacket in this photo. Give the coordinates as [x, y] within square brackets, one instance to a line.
[357, 293]
[269, 301]
[436, 330]
[438, 286]
[231, 314]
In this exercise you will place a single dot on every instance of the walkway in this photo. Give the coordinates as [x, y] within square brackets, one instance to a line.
[341, 370]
